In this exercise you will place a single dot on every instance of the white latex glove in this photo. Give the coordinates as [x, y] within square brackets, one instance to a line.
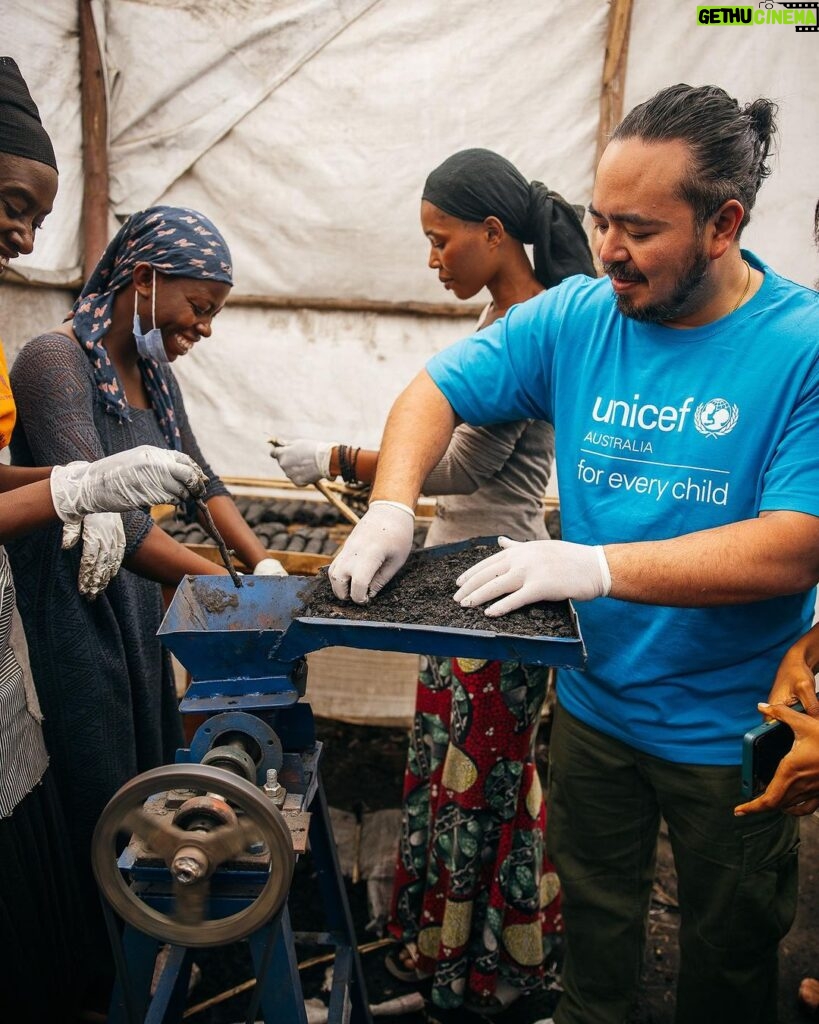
[535, 570]
[103, 548]
[132, 479]
[269, 567]
[303, 461]
[374, 551]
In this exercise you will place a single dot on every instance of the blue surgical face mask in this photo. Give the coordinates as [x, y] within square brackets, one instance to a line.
[150, 345]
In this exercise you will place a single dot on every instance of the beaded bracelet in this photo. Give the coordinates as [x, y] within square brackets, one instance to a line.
[344, 463]
[347, 462]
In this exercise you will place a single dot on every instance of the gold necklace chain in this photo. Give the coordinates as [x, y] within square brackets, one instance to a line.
[745, 289]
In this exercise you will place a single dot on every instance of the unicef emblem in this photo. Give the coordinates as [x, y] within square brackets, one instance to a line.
[715, 417]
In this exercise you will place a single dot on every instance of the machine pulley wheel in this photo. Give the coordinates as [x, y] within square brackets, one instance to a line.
[192, 856]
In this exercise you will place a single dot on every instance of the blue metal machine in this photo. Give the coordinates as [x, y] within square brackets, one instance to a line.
[213, 839]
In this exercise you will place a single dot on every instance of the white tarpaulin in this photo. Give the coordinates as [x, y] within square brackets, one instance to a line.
[305, 129]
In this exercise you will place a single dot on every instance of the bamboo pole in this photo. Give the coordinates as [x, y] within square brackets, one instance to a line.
[614, 71]
[337, 502]
[94, 143]
[325, 958]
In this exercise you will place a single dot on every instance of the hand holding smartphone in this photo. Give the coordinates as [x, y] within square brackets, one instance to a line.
[763, 747]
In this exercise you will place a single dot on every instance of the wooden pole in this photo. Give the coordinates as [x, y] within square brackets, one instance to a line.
[464, 310]
[94, 143]
[468, 310]
[342, 506]
[614, 71]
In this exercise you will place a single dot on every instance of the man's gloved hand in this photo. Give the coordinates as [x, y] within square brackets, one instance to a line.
[103, 548]
[535, 570]
[269, 567]
[303, 461]
[132, 479]
[374, 551]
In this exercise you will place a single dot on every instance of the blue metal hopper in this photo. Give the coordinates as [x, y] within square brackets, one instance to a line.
[248, 638]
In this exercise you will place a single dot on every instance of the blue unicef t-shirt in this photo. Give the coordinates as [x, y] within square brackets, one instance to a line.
[661, 432]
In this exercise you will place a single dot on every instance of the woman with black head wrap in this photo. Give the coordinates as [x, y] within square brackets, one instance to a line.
[41, 935]
[475, 900]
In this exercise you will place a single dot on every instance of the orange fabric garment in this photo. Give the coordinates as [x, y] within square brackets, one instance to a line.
[8, 410]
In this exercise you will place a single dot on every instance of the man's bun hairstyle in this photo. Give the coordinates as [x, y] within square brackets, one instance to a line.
[730, 145]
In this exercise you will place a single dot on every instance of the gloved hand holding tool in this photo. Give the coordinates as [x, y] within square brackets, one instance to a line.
[374, 551]
[303, 461]
[535, 570]
[308, 462]
[132, 479]
[88, 496]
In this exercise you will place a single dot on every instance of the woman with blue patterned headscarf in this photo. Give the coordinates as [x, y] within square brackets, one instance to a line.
[99, 384]
[172, 242]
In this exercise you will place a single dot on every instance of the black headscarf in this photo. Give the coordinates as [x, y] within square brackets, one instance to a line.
[477, 183]
[21, 130]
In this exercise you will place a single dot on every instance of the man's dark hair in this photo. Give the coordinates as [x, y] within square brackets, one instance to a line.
[729, 144]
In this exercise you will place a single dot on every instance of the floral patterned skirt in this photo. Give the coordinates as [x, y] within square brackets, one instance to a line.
[473, 886]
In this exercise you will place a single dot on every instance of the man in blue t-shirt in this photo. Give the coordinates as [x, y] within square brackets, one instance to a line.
[684, 390]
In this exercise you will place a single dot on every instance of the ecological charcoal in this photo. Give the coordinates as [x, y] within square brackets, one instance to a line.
[298, 527]
[421, 593]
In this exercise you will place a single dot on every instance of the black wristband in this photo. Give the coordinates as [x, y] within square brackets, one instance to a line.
[344, 463]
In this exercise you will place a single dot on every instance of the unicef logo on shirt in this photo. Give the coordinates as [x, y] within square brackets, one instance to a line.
[715, 417]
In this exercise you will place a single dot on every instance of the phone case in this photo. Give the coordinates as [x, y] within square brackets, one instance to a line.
[763, 747]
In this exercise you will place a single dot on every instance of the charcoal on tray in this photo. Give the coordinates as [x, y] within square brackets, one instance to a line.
[306, 515]
[270, 514]
[289, 511]
[329, 516]
[421, 593]
[174, 529]
[196, 536]
[273, 527]
[254, 512]
[329, 547]
[297, 543]
[279, 541]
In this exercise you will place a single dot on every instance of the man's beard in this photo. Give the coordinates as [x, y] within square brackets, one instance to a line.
[683, 300]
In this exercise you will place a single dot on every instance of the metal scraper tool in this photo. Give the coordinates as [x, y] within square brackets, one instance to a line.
[210, 526]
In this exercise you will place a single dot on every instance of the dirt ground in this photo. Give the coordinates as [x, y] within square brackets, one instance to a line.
[364, 763]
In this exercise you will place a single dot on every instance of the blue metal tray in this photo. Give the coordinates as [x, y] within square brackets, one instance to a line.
[219, 632]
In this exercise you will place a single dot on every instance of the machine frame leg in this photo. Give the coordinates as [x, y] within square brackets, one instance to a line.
[348, 997]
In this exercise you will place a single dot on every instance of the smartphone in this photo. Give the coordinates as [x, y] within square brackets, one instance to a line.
[762, 749]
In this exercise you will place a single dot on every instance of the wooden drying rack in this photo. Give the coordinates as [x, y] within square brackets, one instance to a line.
[299, 563]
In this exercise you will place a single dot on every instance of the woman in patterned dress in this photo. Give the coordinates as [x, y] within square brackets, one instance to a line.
[475, 900]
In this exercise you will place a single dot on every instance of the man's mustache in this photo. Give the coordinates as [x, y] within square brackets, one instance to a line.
[623, 272]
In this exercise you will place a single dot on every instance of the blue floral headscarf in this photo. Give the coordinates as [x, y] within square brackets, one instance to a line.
[174, 241]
